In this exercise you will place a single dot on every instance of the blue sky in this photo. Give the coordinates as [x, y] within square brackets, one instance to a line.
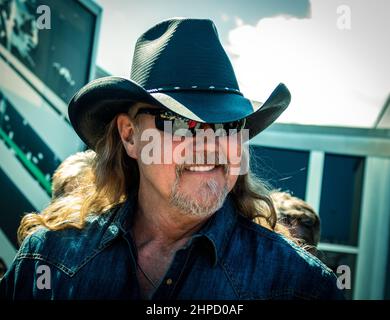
[124, 21]
[336, 76]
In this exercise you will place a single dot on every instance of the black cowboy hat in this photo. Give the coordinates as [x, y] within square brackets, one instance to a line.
[178, 64]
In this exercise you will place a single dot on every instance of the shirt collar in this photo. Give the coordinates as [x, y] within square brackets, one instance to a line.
[214, 234]
[122, 216]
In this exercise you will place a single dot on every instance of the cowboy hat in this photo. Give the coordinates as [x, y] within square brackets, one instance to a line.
[178, 64]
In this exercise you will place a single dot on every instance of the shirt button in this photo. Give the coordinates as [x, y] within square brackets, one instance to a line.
[169, 281]
[114, 229]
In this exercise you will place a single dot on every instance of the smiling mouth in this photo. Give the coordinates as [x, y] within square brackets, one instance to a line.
[201, 168]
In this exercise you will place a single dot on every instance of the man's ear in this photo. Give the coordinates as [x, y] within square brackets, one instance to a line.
[126, 132]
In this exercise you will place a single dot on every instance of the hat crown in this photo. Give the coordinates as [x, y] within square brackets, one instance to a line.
[182, 53]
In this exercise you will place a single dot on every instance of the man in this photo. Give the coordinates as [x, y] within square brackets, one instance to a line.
[299, 217]
[163, 223]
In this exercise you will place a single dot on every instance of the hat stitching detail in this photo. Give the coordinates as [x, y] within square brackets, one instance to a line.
[162, 89]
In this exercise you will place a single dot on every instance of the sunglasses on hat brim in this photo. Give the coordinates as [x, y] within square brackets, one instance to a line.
[182, 126]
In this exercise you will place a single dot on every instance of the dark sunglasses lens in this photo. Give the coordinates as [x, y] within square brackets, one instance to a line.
[235, 125]
[183, 127]
[179, 126]
[172, 124]
[160, 123]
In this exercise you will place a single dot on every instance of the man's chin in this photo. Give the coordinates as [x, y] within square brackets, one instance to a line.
[198, 198]
[207, 201]
[198, 204]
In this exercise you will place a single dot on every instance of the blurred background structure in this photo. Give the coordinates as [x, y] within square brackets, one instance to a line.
[332, 148]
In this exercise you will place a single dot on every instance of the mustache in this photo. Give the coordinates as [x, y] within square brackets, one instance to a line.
[206, 158]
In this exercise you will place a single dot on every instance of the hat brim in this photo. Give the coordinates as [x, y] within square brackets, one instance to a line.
[97, 103]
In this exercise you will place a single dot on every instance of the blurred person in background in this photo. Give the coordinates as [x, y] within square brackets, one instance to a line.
[300, 219]
[74, 172]
[73, 175]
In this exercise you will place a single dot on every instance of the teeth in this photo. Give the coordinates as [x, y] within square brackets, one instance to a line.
[200, 168]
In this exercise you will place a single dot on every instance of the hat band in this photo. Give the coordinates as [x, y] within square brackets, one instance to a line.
[196, 88]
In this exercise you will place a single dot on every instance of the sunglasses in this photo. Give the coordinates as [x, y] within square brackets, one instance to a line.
[182, 126]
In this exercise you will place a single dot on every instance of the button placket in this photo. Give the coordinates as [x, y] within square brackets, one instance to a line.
[173, 276]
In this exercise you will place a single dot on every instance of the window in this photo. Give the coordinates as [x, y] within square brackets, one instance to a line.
[282, 168]
[60, 59]
[387, 284]
[341, 199]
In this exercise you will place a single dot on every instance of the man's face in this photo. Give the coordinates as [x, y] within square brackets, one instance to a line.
[194, 174]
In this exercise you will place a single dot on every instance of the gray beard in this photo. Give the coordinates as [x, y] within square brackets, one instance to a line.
[212, 198]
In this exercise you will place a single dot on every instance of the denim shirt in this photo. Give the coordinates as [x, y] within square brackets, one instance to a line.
[230, 258]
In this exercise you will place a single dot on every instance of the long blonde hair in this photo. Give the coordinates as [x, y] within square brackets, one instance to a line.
[115, 174]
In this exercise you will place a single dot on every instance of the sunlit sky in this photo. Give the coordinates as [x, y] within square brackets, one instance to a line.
[336, 76]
